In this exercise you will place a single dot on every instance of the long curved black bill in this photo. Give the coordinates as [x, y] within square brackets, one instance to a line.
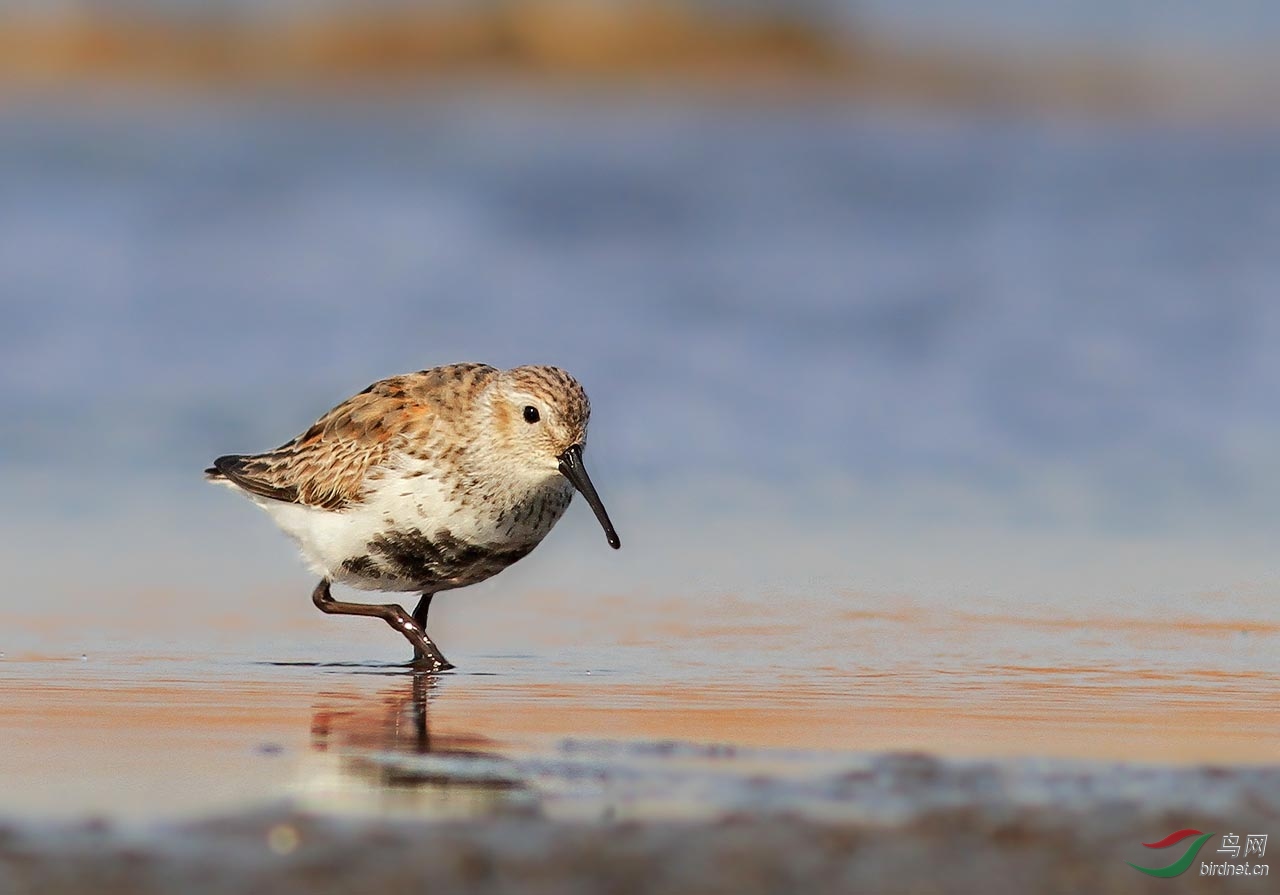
[572, 469]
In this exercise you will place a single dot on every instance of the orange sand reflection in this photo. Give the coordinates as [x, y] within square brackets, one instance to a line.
[150, 735]
[1017, 716]
[180, 745]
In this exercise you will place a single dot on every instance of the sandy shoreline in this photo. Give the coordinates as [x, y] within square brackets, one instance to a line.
[185, 741]
[586, 46]
[246, 717]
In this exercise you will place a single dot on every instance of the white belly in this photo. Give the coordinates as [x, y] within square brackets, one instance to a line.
[330, 538]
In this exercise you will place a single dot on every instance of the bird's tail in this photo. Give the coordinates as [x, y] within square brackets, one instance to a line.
[251, 473]
[222, 468]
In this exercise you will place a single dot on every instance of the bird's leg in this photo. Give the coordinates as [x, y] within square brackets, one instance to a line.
[420, 612]
[425, 653]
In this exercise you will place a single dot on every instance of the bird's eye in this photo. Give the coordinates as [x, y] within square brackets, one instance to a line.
[530, 414]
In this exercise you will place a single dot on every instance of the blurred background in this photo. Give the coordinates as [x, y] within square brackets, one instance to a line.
[944, 302]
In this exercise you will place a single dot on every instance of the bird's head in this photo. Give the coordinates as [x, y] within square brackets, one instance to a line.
[540, 417]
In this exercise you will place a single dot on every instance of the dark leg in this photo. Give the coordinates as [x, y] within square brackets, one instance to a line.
[425, 652]
[420, 613]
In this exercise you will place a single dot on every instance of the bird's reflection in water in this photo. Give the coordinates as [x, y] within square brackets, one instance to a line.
[375, 754]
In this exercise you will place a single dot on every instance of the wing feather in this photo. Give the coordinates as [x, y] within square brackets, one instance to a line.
[330, 465]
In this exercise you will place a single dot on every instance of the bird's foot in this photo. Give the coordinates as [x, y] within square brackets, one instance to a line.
[433, 663]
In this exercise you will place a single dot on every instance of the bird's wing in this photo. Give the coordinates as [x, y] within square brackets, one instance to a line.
[326, 466]
[330, 465]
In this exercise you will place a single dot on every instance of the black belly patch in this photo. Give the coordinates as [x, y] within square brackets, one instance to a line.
[430, 561]
[362, 567]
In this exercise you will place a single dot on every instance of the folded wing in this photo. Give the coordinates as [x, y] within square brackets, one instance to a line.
[330, 465]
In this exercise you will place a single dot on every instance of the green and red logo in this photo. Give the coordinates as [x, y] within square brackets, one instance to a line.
[1179, 866]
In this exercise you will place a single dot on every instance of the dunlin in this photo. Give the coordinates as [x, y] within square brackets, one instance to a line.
[426, 482]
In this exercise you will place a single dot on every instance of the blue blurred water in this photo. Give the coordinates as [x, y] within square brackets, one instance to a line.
[844, 313]
[1130, 25]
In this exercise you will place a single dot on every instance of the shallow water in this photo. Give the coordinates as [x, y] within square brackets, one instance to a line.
[181, 731]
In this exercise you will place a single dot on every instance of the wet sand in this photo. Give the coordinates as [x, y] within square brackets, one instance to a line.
[177, 735]
[934, 763]
[375, 788]
[874, 677]
[166, 742]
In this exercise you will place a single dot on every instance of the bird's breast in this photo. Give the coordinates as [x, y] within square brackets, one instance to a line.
[527, 517]
[490, 513]
[421, 533]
